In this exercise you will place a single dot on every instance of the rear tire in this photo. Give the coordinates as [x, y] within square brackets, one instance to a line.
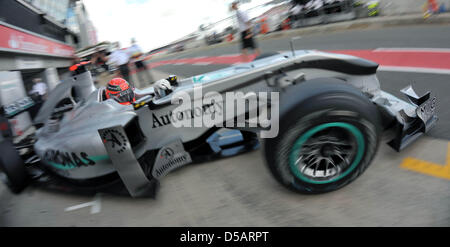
[12, 168]
[329, 134]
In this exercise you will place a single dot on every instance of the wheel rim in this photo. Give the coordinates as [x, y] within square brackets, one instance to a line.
[327, 153]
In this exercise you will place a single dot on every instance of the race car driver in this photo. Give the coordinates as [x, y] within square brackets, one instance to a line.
[122, 92]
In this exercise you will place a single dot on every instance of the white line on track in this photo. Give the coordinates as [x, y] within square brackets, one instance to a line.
[443, 50]
[230, 55]
[95, 205]
[202, 63]
[414, 70]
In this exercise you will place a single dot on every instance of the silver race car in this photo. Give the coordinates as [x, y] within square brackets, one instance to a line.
[324, 118]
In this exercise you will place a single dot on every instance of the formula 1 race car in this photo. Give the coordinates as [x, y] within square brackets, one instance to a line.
[319, 118]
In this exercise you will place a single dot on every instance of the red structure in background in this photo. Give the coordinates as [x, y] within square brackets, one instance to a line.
[264, 26]
[285, 25]
[230, 37]
[433, 6]
[16, 40]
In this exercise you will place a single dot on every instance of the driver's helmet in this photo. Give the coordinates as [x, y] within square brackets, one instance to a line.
[121, 91]
[173, 80]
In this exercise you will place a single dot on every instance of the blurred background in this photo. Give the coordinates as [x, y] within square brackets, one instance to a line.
[41, 39]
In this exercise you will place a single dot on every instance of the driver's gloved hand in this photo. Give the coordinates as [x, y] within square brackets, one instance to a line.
[162, 88]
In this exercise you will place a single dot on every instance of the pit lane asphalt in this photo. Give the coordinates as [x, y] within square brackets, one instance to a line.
[240, 191]
[419, 36]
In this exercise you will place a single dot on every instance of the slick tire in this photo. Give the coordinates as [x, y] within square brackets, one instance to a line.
[12, 168]
[329, 133]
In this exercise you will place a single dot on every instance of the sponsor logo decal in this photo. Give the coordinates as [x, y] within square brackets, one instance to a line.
[115, 88]
[169, 161]
[169, 158]
[167, 153]
[115, 139]
[198, 79]
[212, 76]
[226, 109]
[171, 117]
[70, 160]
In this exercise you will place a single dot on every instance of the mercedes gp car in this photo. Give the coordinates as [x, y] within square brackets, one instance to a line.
[331, 117]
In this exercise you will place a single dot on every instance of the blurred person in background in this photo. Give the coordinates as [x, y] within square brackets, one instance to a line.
[99, 60]
[264, 26]
[120, 59]
[431, 7]
[39, 89]
[135, 53]
[101, 71]
[245, 27]
[313, 7]
[286, 24]
[298, 6]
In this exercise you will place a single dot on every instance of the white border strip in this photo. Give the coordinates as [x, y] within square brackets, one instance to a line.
[414, 70]
[443, 50]
[230, 55]
[202, 63]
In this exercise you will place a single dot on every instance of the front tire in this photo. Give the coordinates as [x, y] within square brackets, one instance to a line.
[327, 138]
[12, 168]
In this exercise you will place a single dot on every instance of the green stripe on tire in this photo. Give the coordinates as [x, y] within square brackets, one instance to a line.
[300, 141]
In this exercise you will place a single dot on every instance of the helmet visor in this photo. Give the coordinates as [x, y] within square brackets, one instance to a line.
[126, 96]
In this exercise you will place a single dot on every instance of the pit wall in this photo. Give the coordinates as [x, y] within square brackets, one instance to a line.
[401, 7]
